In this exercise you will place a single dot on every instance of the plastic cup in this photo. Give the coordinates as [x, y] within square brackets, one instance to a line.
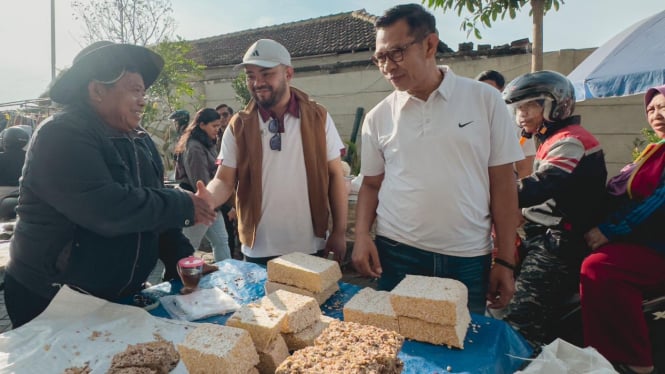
[190, 270]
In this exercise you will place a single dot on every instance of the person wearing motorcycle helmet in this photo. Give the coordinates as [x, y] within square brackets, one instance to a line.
[181, 119]
[14, 140]
[522, 167]
[560, 200]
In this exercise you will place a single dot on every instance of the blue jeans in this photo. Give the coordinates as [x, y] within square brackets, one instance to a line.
[215, 233]
[398, 260]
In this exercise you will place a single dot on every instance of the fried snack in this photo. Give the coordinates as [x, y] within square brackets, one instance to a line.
[371, 307]
[218, 349]
[159, 357]
[304, 271]
[348, 347]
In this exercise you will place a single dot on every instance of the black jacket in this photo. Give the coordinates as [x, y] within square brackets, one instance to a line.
[92, 209]
[197, 162]
[11, 163]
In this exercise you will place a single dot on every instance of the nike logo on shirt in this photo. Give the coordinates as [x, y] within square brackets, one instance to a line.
[464, 124]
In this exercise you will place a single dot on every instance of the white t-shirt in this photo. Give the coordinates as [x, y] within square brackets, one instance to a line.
[286, 220]
[435, 155]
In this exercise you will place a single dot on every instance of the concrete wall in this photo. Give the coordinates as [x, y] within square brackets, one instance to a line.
[344, 83]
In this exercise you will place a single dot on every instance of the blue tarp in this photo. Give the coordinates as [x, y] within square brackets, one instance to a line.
[491, 346]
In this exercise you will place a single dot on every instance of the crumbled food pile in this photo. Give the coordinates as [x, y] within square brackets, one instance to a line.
[348, 347]
[96, 334]
[85, 369]
[158, 357]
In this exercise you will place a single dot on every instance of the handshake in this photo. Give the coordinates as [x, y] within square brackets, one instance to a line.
[204, 204]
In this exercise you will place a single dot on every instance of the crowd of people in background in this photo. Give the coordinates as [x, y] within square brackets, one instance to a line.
[446, 161]
[196, 154]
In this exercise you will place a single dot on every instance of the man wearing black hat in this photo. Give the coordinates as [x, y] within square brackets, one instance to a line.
[94, 214]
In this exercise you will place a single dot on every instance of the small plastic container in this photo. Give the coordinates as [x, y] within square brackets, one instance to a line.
[190, 270]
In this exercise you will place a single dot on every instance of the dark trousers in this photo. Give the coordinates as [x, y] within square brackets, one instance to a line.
[22, 304]
[398, 260]
[549, 276]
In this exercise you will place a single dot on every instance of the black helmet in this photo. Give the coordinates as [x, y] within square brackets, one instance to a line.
[180, 116]
[14, 138]
[554, 89]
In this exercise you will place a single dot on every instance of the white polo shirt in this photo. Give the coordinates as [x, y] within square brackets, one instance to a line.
[435, 155]
[286, 221]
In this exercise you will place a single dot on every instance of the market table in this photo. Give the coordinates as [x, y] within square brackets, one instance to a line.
[491, 346]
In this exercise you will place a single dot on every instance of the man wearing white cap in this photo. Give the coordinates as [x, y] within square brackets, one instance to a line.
[282, 153]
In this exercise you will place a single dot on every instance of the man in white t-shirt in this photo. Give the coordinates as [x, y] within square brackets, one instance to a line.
[282, 154]
[524, 167]
[437, 160]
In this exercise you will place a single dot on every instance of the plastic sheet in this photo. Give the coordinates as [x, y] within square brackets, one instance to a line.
[78, 330]
[206, 302]
[561, 357]
[490, 347]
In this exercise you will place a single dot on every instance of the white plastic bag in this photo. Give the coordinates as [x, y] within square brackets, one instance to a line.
[561, 357]
[199, 304]
[356, 183]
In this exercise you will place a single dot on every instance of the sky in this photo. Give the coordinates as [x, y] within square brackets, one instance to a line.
[25, 29]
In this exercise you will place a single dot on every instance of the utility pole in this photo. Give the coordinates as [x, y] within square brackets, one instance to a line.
[52, 40]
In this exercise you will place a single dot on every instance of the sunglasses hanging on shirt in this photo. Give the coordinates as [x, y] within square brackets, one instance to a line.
[276, 139]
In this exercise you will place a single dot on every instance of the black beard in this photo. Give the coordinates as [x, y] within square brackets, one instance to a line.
[265, 103]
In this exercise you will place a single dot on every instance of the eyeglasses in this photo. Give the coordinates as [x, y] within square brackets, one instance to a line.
[276, 139]
[395, 55]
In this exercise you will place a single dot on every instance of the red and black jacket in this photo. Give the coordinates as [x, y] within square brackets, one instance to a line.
[567, 187]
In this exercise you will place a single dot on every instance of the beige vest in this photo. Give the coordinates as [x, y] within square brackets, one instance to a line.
[245, 128]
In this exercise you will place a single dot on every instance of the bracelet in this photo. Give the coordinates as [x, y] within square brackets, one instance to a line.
[504, 263]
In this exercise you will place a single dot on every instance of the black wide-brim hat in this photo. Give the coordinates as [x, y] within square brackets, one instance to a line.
[100, 57]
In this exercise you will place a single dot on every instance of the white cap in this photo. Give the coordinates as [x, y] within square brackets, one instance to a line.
[266, 53]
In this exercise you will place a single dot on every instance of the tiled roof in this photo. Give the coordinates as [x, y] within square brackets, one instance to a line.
[334, 34]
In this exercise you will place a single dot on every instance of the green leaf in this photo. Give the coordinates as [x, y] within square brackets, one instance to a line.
[239, 86]
[555, 3]
[486, 20]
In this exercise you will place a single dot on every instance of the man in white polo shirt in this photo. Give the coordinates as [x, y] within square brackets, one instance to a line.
[437, 158]
[282, 153]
